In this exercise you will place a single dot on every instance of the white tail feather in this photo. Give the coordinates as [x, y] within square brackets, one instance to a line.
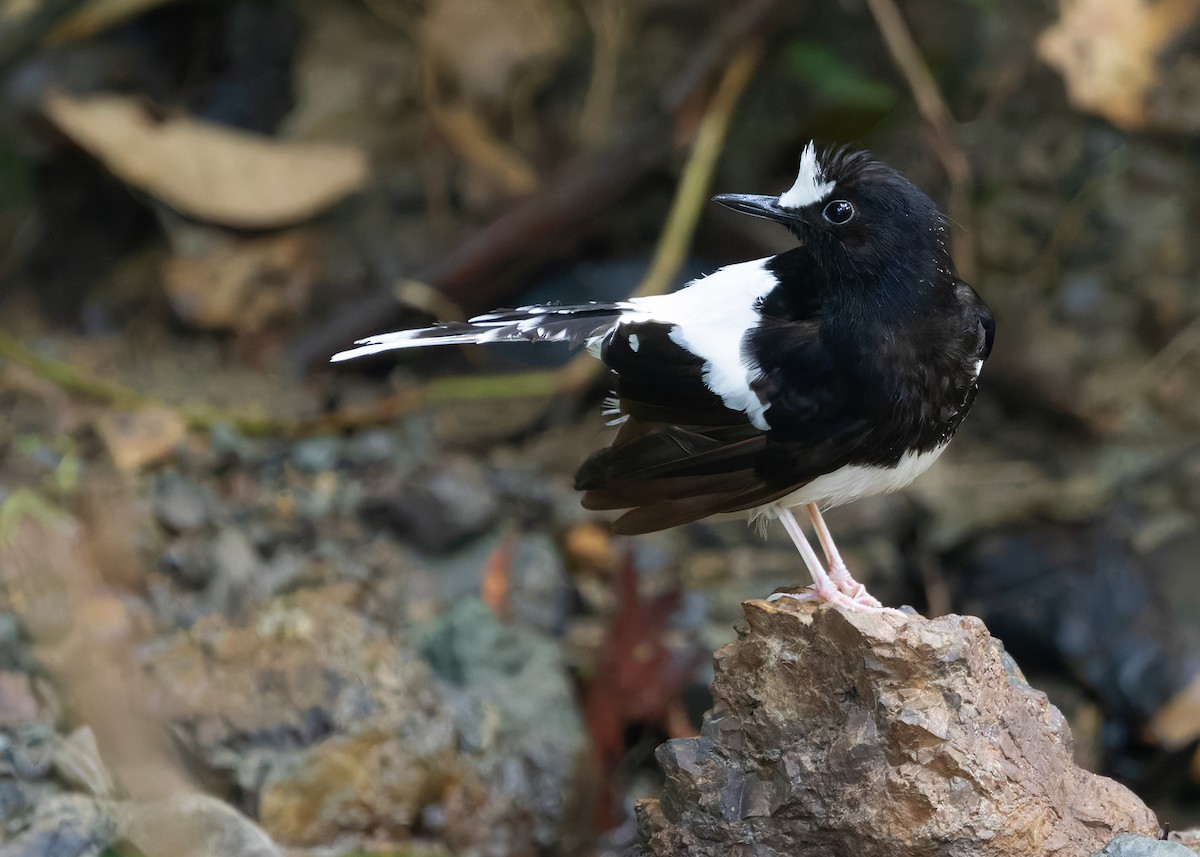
[528, 324]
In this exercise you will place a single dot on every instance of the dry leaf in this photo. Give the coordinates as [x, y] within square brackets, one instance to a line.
[487, 45]
[1107, 52]
[1177, 723]
[242, 285]
[135, 439]
[207, 170]
[496, 587]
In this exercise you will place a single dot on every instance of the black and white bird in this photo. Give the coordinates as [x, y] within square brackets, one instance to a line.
[782, 386]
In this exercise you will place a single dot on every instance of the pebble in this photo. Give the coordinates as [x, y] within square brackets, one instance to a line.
[1133, 845]
[178, 506]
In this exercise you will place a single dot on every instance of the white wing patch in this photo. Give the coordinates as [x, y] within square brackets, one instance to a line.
[810, 185]
[711, 318]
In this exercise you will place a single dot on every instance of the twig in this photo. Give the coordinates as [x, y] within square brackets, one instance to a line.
[609, 20]
[73, 380]
[69, 378]
[471, 277]
[933, 108]
[690, 196]
[668, 257]
[478, 275]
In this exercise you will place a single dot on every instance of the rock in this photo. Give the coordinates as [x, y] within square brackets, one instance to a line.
[1053, 594]
[236, 565]
[192, 826]
[325, 722]
[18, 701]
[439, 511]
[318, 454]
[178, 506]
[26, 753]
[878, 736]
[64, 826]
[1132, 845]
[185, 826]
[540, 592]
[78, 763]
[520, 728]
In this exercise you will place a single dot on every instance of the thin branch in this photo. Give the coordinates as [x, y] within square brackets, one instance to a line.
[480, 273]
[933, 108]
[690, 196]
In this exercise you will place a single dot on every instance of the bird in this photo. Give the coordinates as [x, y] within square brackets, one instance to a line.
[779, 387]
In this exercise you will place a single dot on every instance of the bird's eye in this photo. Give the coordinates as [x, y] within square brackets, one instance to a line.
[839, 212]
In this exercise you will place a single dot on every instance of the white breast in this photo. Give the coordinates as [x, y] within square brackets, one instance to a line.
[853, 481]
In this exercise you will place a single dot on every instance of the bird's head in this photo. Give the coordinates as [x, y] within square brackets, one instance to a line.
[848, 207]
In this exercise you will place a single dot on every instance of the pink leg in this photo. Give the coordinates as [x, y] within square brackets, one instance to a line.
[838, 573]
[824, 588]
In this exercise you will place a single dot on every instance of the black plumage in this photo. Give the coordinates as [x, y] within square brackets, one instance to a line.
[837, 369]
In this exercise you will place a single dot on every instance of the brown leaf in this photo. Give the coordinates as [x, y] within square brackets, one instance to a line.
[1108, 50]
[207, 170]
[135, 439]
[242, 285]
[496, 588]
[589, 547]
[486, 45]
[637, 680]
[1177, 723]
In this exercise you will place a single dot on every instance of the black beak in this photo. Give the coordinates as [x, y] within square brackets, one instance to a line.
[758, 206]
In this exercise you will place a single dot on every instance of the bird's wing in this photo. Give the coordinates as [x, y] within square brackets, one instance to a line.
[682, 454]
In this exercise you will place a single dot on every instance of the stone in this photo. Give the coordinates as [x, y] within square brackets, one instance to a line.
[179, 507]
[877, 735]
[318, 454]
[64, 826]
[520, 730]
[191, 825]
[1132, 845]
[438, 511]
[18, 701]
[540, 592]
[327, 723]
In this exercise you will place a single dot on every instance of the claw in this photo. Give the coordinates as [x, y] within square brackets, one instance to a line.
[862, 603]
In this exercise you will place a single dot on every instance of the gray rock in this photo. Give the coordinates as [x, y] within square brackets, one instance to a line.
[178, 506]
[518, 720]
[192, 826]
[236, 564]
[440, 511]
[856, 735]
[183, 826]
[329, 725]
[539, 586]
[64, 826]
[318, 454]
[1132, 845]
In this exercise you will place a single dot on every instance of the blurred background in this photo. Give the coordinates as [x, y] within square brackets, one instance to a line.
[360, 611]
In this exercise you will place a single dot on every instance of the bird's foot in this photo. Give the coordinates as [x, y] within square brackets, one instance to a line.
[860, 602]
[845, 583]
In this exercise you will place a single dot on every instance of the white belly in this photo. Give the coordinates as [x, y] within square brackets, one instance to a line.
[854, 481]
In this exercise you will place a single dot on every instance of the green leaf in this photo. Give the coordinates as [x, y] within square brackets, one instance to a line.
[836, 81]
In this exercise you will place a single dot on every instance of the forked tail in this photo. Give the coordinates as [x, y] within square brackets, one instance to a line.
[574, 324]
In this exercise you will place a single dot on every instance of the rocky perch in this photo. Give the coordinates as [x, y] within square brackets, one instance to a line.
[860, 735]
